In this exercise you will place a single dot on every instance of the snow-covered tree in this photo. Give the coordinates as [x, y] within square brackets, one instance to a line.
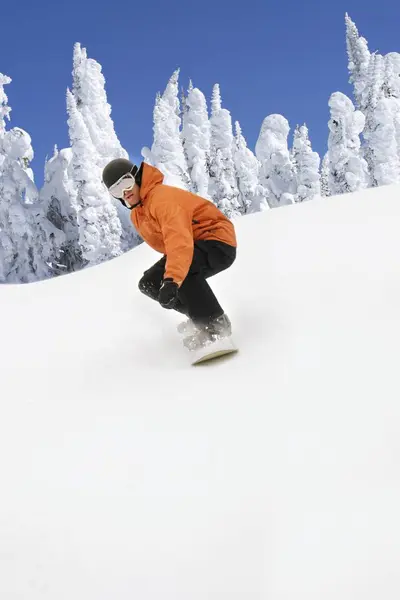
[251, 197]
[391, 91]
[91, 100]
[380, 132]
[98, 222]
[381, 140]
[348, 169]
[375, 80]
[325, 176]
[223, 187]
[167, 152]
[306, 165]
[4, 108]
[277, 174]
[196, 139]
[28, 241]
[359, 63]
[58, 197]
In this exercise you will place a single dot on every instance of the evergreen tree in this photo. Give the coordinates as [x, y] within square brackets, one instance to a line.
[98, 223]
[277, 174]
[167, 152]
[375, 84]
[28, 241]
[251, 198]
[391, 90]
[196, 140]
[4, 108]
[348, 169]
[223, 187]
[58, 198]
[306, 165]
[380, 129]
[325, 176]
[359, 63]
[91, 100]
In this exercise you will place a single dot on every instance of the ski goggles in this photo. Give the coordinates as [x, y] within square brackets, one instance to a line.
[124, 184]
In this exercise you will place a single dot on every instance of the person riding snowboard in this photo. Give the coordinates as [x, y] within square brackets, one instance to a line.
[195, 237]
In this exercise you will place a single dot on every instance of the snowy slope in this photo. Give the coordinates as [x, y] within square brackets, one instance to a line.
[125, 473]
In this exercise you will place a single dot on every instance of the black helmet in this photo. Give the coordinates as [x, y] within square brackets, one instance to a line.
[116, 169]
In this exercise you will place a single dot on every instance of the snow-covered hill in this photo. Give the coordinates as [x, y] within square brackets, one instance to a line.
[126, 473]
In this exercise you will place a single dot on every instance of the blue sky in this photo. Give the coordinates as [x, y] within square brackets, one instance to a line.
[268, 57]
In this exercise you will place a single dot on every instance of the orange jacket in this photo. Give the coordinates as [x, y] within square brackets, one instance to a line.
[170, 220]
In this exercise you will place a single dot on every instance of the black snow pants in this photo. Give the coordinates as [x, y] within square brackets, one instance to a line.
[196, 299]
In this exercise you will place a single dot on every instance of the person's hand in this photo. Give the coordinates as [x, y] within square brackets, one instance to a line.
[168, 294]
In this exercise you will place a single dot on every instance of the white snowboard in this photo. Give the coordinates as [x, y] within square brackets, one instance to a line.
[214, 350]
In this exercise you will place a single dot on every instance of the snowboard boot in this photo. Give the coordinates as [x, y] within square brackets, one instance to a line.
[187, 327]
[216, 329]
[219, 328]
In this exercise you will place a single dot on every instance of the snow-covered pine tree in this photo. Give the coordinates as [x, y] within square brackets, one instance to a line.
[391, 91]
[223, 187]
[306, 165]
[251, 197]
[277, 174]
[91, 100]
[28, 241]
[374, 82]
[58, 198]
[325, 176]
[358, 64]
[380, 129]
[167, 152]
[196, 140]
[98, 222]
[4, 108]
[348, 169]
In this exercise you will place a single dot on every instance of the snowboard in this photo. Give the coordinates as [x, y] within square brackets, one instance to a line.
[212, 351]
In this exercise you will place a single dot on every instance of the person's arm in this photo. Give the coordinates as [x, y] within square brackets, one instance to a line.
[176, 226]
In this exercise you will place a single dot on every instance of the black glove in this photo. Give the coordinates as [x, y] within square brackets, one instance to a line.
[168, 295]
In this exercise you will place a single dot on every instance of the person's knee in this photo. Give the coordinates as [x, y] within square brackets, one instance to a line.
[148, 288]
[223, 257]
[230, 254]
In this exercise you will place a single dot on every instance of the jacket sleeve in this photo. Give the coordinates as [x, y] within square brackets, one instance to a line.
[175, 223]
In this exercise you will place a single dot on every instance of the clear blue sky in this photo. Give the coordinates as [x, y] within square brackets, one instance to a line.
[285, 57]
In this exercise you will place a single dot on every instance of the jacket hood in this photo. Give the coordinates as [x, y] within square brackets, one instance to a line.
[151, 177]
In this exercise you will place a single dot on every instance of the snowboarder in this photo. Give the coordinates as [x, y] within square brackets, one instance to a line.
[195, 237]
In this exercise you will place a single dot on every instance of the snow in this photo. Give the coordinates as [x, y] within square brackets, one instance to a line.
[127, 473]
